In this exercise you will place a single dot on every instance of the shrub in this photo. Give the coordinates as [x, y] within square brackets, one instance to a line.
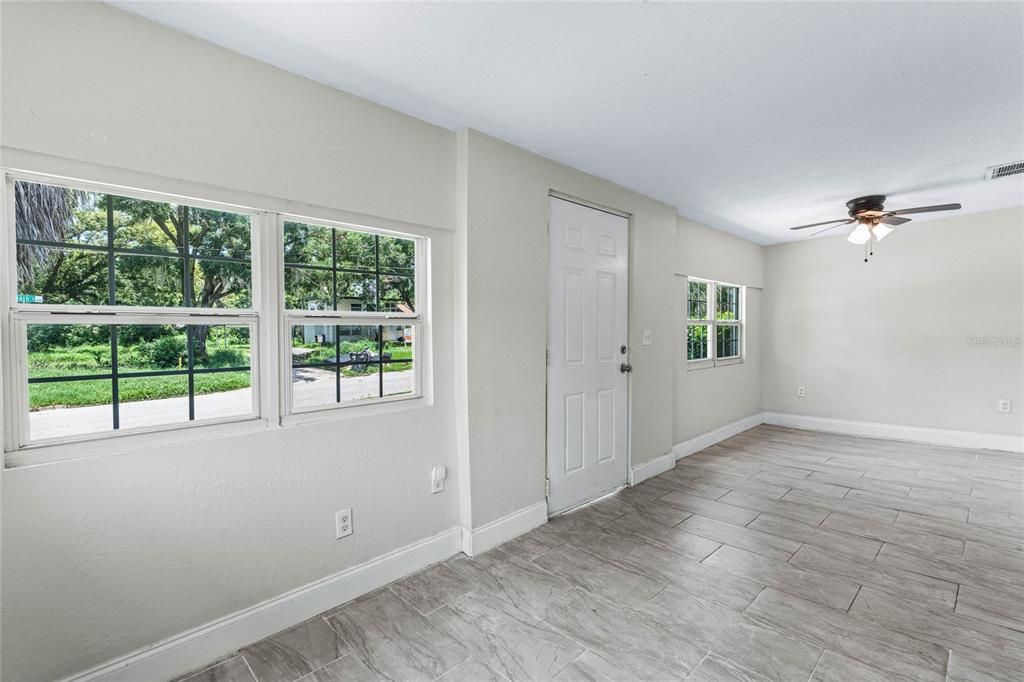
[135, 356]
[226, 357]
[132, 334]
[357, 346]
[167, 351]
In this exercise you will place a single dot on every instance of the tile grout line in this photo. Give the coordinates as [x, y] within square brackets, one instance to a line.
[816, 664]
[249, 667]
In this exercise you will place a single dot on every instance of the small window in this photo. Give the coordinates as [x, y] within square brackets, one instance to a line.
[714, 323]
[131, 313]
[351, 313]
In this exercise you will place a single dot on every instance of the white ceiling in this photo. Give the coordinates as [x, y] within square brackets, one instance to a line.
[748, 117]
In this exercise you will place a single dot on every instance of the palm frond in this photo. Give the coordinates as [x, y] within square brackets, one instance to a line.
[42, 213]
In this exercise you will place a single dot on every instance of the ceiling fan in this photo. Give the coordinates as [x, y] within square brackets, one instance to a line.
[872, 219]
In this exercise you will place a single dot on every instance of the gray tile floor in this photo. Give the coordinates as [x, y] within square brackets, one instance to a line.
[778, 554]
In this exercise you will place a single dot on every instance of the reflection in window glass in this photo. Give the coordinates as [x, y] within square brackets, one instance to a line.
[94, 378]
[78, 247]
[335, 364]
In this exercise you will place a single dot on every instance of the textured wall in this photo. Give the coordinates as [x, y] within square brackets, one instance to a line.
[506, 243]
[106, 555]
[890, 340]
[711, 397]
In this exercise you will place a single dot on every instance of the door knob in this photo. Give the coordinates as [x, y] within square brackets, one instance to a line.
[625, 367]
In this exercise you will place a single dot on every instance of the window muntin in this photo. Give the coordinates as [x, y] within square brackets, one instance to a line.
[714, 324]
[78, 247]
[331, 268]
[697, 346]
[336, 364]
[697, 300]
[106, 287]
[203, 271]
[727, 302]
[351, 316]
[86, 378]
[727, 341]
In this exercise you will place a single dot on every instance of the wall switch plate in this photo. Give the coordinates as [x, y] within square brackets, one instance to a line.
[801, 392]
[437, 476]
[1005, 406]
[343, 523]
[645, 337]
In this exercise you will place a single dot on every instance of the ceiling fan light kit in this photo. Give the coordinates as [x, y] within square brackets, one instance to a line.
[873, 222]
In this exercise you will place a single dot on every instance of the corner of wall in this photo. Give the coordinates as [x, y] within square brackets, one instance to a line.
[461, 332]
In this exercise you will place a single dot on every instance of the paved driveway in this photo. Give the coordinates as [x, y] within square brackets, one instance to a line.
[312, 387]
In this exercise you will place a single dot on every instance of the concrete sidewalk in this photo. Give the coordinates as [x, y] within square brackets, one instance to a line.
[312, 387]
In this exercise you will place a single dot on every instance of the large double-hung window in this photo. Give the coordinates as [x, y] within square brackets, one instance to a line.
[129, 311]
[350, 315]
[714, 323]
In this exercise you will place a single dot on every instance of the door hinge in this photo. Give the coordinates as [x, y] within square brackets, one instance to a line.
[547, 487]
[547, 356]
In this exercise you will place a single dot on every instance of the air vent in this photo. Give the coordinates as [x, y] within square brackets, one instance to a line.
[993, 172]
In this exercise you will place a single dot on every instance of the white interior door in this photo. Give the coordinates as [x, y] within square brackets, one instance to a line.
[587, 387]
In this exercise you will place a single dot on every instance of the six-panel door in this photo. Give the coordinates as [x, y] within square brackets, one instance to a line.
[587, 392]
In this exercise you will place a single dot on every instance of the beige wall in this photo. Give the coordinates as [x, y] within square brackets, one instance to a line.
[86, 81]
[142, 545]
[106, 555]
[504, 233]
[709, 398]
[889, 341]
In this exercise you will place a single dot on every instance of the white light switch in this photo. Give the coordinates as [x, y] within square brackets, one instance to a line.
[645, 337]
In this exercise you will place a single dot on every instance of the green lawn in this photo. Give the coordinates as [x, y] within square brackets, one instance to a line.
[319, 353]
[82, 393]
[95, 359]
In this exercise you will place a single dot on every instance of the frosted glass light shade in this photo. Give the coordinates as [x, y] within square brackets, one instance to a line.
[860, 235]
[881, 231]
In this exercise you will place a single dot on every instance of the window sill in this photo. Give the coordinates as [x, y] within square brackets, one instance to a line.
[126, 442]
[694, 365]
[725, 362]
[378, 406]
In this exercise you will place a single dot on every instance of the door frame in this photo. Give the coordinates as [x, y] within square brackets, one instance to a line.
[571, 198]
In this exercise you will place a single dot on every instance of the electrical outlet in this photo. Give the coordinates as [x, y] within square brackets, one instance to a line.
[646, 337]
[801, 392]
[437, 476]
[343, 523]
[1005, 406]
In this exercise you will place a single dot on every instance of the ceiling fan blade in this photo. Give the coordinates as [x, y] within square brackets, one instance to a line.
[893, 220]
[844, 221]
[926, 209]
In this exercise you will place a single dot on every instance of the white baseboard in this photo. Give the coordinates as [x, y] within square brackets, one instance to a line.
[490, 535]
[192, 649]
[706, 440]
[919, 434]
[659, 465]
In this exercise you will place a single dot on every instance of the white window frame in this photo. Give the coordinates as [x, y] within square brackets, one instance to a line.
[270, 341]
[417, 320]
[19, 447]
[713, 323]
